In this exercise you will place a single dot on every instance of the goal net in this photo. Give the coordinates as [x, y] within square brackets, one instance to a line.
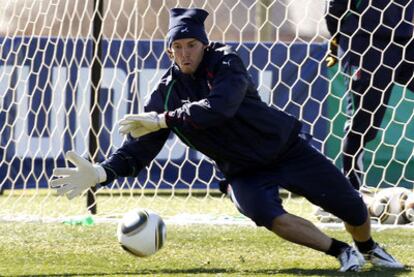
[70, 70]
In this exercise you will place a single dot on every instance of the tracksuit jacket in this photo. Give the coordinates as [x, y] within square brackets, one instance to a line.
[216, 111]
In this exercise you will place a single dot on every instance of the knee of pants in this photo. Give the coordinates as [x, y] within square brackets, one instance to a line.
[259, 218]
[260, 214]
[358, 219]
[355, 212]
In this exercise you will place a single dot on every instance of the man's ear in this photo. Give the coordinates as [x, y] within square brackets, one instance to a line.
[170, 54]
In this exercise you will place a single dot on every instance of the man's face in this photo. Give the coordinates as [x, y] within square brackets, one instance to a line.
[187, 53]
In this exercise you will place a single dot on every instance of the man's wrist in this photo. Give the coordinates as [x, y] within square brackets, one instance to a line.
[161, 121]
[100, 172]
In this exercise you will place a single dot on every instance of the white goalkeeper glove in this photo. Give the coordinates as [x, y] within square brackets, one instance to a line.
[138, 125]
[73, 181]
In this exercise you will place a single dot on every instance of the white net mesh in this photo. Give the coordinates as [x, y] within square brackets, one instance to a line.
[47, 52]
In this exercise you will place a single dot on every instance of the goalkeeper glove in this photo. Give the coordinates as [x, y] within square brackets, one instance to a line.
[138, 125]
[73, 181]
[332, 56]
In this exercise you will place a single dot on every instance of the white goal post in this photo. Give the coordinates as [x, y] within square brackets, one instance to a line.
[51, 101]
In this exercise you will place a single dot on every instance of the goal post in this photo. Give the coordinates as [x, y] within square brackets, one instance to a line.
[48, 97]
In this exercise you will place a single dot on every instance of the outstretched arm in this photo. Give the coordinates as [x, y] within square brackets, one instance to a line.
[128, 160]
[134, 155]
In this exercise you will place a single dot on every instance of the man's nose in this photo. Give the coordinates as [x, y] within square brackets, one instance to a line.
[186, 52]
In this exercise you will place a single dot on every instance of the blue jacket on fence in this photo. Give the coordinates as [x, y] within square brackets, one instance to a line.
[216, 111]
[363, 22]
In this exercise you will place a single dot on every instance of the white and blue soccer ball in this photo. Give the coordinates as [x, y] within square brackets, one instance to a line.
[141, 232]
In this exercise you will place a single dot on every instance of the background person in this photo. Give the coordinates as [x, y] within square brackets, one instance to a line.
[375, 42]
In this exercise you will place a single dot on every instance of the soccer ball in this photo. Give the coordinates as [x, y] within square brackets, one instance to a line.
[388, 205]
[409, 207]
[141, 232]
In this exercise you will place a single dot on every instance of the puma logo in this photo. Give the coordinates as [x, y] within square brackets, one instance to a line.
[185, 101]
[226, 63]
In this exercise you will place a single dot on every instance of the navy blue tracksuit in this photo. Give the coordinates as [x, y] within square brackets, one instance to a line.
[218, 112]
[377, 49]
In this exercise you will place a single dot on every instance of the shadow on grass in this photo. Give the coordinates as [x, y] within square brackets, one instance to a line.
[150, 272]
[330, 272]
[224, 271]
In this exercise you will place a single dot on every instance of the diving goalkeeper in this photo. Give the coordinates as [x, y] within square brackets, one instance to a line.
[209, 101]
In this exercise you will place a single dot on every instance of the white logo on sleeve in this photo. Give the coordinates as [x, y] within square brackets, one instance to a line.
[185, 30]
[185, 101]
[226, 63]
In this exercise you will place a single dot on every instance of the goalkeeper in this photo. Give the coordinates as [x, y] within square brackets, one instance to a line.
[209, 101]
[374, 40]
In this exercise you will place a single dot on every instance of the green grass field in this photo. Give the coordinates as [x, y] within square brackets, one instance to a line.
[56, 249]
[31, 249]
